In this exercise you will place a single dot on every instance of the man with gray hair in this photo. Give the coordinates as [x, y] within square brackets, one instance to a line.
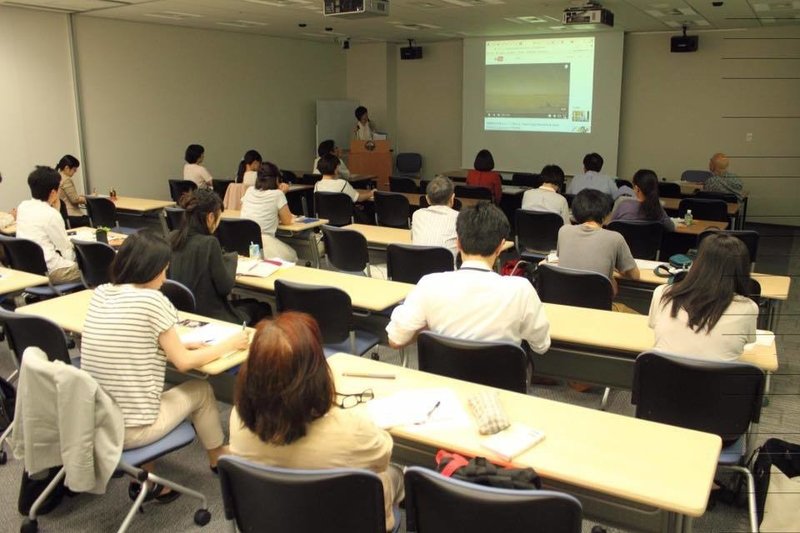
[436, 225]
[722, 180]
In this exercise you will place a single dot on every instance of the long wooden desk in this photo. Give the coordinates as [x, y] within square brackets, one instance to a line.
[699, 226]
[381, 236]
[414, 199]
[629, 472]
[365, 293]
[673, 203]
[143, 207]
[12, 281]
[70, 311]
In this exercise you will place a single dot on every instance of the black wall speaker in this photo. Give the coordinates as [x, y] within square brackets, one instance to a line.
[411, 52]
[684, 43]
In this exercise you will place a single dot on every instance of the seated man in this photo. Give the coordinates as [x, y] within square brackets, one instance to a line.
[436, 225]
[592, 179]
[722, 180]
[474, 302]
[546, 197]
[587, 246]
[329, 147]
[39, 220]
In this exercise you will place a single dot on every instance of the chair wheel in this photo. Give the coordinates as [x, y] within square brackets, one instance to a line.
[3, 457]
[29, 526]
[202, 517]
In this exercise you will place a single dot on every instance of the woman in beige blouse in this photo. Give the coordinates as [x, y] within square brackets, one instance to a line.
[285, 411]
[67, 166]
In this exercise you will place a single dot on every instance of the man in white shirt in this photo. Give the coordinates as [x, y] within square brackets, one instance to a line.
[436, 225]
[592, 179]
[474, 302]
[39, 220]
[329, 147]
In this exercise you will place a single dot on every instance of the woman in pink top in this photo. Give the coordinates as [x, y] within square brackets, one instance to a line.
[483, 175]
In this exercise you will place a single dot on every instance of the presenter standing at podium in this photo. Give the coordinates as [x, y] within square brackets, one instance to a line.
[364, 129]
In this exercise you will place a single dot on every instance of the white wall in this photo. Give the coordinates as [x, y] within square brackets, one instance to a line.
[150, 90]
[38, 121]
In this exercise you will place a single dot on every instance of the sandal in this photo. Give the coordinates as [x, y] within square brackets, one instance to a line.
[156, 493]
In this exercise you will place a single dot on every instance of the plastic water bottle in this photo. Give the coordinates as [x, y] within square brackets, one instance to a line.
[255, 251]
[688, 218]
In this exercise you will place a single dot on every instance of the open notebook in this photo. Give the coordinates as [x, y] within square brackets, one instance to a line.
[255, 267]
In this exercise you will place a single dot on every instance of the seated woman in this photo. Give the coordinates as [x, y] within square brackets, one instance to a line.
[484, 176]
[249, 167]
[329, 147]
[67, 166]
[198, 262]
[331, 182]
[285, 413]
[194, 170]
[546, 197]
[266, 204]
[129, 336]
[646, 205]
[708, 314]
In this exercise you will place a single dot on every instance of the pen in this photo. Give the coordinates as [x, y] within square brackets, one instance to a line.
[244, 325]
[367, 375]
[434, 408]
[253, 266]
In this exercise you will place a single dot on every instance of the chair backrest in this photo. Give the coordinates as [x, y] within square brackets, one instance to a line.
[180, 295]
[423, 186]
[437, 503]
[497, 364]
[537, 230]
[62, 208]
[696, 176]
[102, 212]
[717, 397]
[578, 288]
[337, 207]
[391, 210]
[473, 191]
[24, 255]
[569, 198]
[704, 209]
[750, 239]
[669, 189]
[408, 263]
[287, 176]
[643, 237]
[236, 234]
[525, 179]
[408, 163]
[330, 307]
[94, 260]
[402, 184]
[345, 249]
[175, 217]
[309, 179]
[267, 498]
[623, 183]
[24, 331]
[714, 195]
[178, 188]
[220, 186]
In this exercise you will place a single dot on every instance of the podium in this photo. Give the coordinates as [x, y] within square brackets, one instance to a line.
[371, 158]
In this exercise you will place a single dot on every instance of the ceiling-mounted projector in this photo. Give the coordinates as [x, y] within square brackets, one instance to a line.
[591, 13]
[355, 9]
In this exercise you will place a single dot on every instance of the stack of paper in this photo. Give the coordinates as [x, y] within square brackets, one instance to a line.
[512, 441]
[255, 267]
[421, 407]
[212, 333]
[644, 264]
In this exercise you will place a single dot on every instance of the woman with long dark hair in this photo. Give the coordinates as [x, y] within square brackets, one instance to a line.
[708, 314]
[266, 204]
[249, 167]
[646, 206]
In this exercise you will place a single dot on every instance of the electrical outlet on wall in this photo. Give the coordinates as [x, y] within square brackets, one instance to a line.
[748, 137]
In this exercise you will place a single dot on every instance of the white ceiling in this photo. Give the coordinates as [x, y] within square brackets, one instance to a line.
[426, 20]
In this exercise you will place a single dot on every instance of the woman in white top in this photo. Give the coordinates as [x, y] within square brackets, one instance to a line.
[546, 197]
[364, 129]
[265, 203]
[329, 147]
[708, 315]
[194, 170]
[129, 335]
[249, 167]
[330, 182]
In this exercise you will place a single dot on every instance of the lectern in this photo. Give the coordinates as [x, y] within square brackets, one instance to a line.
[373, 158]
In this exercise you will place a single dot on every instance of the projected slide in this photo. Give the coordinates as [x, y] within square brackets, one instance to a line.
[540, 85]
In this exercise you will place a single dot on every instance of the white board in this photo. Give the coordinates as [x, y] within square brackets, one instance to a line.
[336, 120]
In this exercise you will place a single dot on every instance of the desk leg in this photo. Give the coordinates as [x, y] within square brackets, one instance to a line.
[162, 217]
[312, 242]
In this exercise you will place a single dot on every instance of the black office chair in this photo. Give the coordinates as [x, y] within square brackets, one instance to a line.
[177, 188]
[726, 197]
[723, 398]
[537, 233]
[496, 364]
[266, 498]
[423, 202]
[402, 184]
[175, 216]
[435, 503]
[337, 207]
[423, 186]
[180, 295]
[473, 191]
[623, 183]
[237, 234]
[220, 187]
[569, 198]
[309, 179]
[579, 288]
[287, 176]
[525, 179]
[94, 260]
[669, 189]
[25, 255]
[103, 213]
[750, 239]
[643, 237]
[391, 210]
[333, 311]
[408, 164]
[346, 250]
[408, 263]
[704, 209]
[696, 176]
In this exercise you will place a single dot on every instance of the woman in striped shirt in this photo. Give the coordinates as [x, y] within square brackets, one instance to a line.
[129, 336]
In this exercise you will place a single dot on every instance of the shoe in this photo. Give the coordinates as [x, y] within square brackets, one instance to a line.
[155, 493]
